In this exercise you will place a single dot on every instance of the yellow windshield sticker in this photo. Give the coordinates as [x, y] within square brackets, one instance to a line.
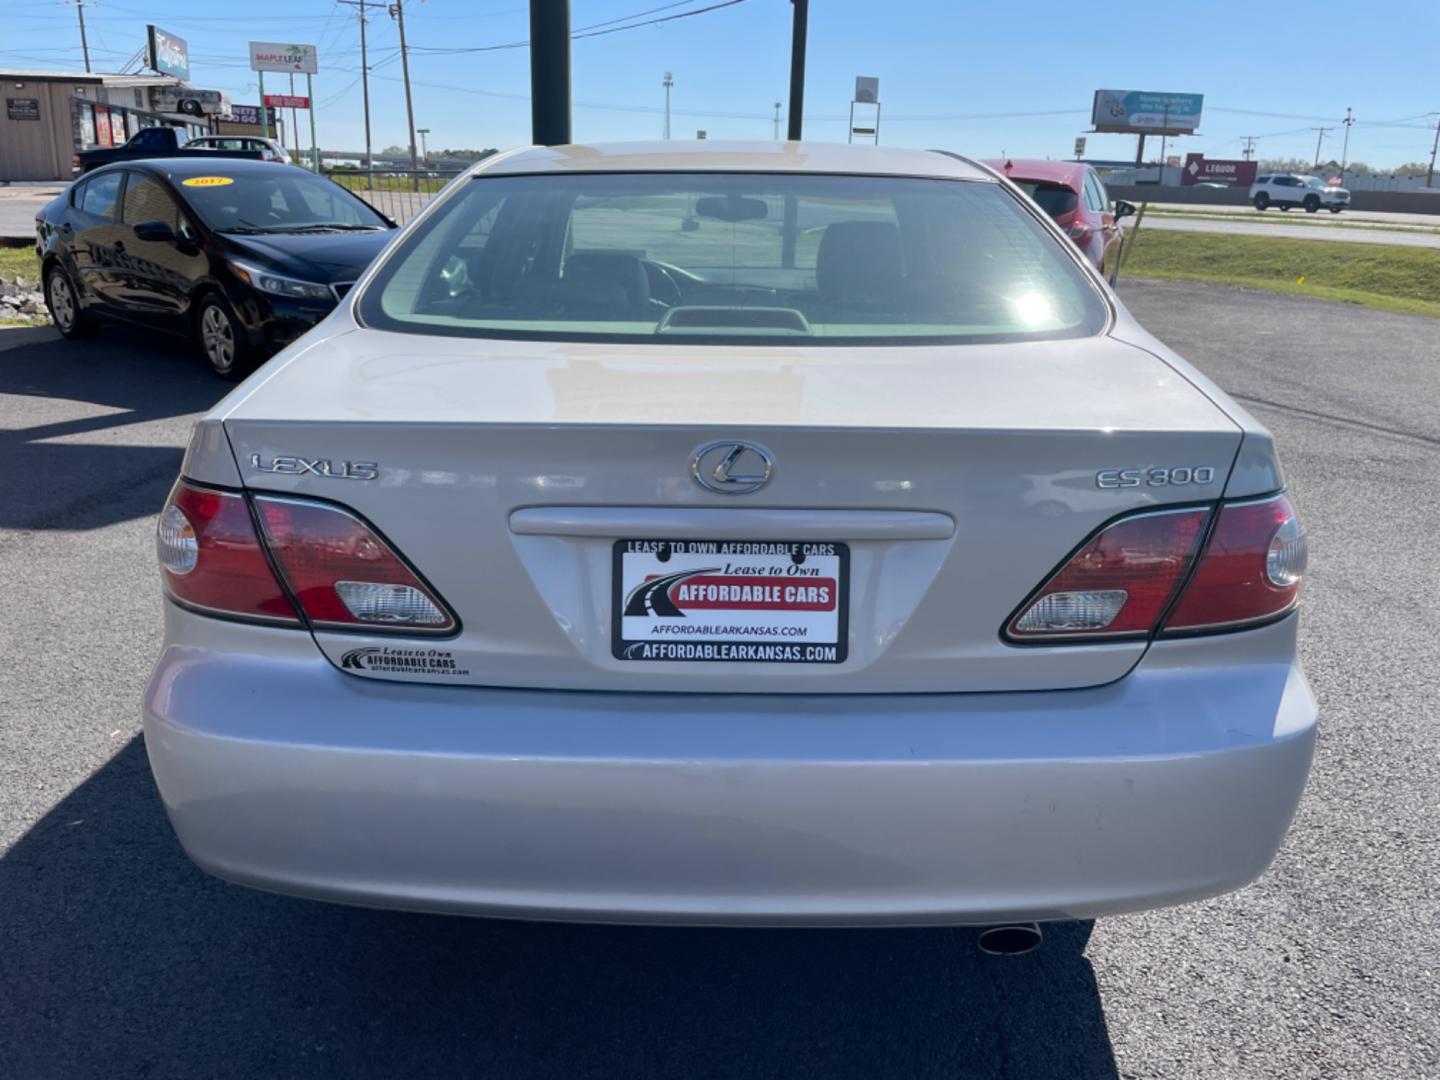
[207, 181]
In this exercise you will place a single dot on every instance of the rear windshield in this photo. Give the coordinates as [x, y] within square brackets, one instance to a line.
[1055, 199]
[733, 257]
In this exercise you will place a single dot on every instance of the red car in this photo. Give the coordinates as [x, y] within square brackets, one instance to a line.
[1074, 196]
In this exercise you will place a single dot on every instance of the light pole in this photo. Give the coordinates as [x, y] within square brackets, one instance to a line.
[424, 148]
[667, 82]
[777, 121]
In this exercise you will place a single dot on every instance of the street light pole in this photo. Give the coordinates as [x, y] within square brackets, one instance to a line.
[667, 82]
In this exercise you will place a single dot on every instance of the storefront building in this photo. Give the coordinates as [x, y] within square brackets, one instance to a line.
[50, 117]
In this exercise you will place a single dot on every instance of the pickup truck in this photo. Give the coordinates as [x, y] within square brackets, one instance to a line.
[155, 142]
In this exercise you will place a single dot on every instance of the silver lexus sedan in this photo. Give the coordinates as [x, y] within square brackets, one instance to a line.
[731, 533]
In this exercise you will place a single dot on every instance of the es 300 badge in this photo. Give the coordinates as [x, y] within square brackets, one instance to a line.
[730, 601]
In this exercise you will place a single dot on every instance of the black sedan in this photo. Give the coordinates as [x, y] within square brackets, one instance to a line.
[243, 256]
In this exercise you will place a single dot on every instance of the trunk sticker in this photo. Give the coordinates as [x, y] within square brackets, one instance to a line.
[738, 601]
[403, 660]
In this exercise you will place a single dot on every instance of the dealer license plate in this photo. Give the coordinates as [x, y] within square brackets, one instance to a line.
[735, 601]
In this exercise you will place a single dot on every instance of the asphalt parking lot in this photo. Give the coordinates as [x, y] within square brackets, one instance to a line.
[120, 959]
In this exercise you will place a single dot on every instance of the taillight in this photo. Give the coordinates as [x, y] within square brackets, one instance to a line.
[1125, 579]
[338, 569]
[1119, 583]
[211, 558]
[342, 573]
[1252, 568]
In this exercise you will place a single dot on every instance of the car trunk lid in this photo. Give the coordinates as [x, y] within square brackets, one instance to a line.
[931, 488]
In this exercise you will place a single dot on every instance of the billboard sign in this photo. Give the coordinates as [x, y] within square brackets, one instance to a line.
[867, 90]
[168, 54]
[273, 56]
[287, 101]
[1143, 112]
[1199, 170]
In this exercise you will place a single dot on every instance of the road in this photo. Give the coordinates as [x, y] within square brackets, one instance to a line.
[1365, 217]
[1251, 226]
[120, 959]
[19, 203]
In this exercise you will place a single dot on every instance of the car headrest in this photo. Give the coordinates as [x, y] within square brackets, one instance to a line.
[859, 259]
[603, 271]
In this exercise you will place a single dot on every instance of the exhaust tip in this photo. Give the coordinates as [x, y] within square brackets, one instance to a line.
[1015, 939]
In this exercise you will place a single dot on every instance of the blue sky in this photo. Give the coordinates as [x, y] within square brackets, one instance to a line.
[978, 78]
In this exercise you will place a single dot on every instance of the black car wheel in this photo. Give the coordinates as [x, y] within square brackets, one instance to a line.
[1336, 209]
[1262, 200]
[64, 305]
[221, 339]
[1312, 203]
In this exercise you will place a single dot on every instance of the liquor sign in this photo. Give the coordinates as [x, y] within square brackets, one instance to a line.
[1199, 170]
[273, 56]
[287, 101]
[168, 54]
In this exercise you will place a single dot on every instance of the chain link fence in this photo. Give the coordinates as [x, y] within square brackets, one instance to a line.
[399, 194]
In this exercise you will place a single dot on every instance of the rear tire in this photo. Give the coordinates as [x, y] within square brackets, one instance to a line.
[1312, 203]
[64, 305]
[1262, 201]
[1336, 209]
[221, 339]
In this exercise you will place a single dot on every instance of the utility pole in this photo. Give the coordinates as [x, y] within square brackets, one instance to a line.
[1249, 141]
[84, 44]
[397, 12]
[777, 121]
[797, 68]
[1345, 153]
[1320, 139]
[1430, 179]
[667, 82]
[364, 89]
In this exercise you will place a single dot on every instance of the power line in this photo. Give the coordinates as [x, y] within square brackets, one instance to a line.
[594, 30]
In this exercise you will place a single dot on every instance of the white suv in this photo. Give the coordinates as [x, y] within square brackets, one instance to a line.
[1288, 189]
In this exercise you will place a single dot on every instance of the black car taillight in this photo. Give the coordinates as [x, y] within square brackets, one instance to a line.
[340, 572]
[1125, 579]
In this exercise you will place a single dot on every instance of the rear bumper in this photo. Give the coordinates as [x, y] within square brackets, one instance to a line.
[1175, 783]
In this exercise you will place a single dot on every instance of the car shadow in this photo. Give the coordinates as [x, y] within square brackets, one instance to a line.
[77, 468]
[122, 959]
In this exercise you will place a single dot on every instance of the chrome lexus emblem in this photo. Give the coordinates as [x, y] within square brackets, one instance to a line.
[732, 468]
